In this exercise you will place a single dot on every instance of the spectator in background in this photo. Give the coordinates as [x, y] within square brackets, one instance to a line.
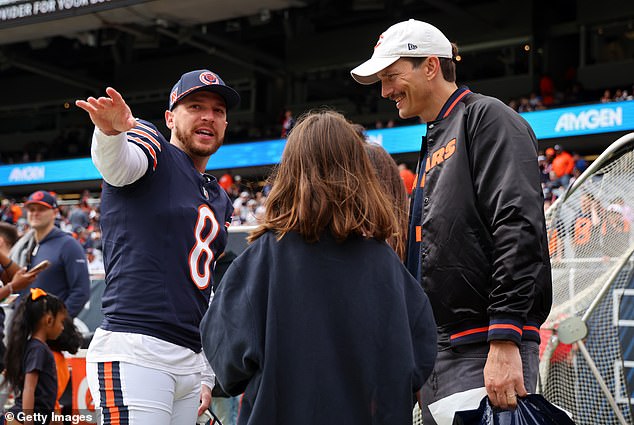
[238, 185]
[525, 105]
[251, 217]
[11, 211]
[586, 238]
[78, 217]
[615, 231]
[607, 96]
[535, 101]
[226, 181]
[67, 277]
[618, 95]
[580, 166]
[407, 176]
[288, 123]
[5, 212]
[84, 238]
[562, 166]
[260, 210]
[580, 163]
[544, 169]
[626, 210]
[240, 209]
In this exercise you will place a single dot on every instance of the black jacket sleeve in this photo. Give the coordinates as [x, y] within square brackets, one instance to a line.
[503, 155]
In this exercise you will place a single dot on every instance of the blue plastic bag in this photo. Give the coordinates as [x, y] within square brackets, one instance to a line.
[533, 409]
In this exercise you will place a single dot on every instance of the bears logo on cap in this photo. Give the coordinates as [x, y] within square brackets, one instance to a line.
[43, 198]
[173, 96]
[208, 78]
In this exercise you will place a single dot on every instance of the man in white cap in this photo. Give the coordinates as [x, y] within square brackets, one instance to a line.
[477, 238]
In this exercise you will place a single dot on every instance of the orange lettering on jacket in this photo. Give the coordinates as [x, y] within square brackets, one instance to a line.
[437, 157]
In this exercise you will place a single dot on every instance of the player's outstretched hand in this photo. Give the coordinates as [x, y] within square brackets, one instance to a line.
[110, 114]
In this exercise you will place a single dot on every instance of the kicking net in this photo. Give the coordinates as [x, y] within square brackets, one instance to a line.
[591, 242]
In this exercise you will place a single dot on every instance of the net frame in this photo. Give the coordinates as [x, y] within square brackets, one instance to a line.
[591, 262]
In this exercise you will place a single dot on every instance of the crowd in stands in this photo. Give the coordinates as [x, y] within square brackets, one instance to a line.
[75, 142]
[81, 220]
[559, 169]
[548, 97]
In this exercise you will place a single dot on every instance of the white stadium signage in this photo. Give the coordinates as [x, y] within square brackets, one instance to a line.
[590, 119]
[34, 8]
[21, 12]
[27, 174]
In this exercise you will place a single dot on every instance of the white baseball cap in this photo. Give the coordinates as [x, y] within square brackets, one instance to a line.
[406, 39]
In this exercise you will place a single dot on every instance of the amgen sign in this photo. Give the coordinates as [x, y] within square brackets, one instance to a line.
[27, 174]
[590, 119]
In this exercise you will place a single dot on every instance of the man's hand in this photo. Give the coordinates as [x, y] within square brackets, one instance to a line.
[110, 114]
[503, 374]
[22, 279]
[205, 399]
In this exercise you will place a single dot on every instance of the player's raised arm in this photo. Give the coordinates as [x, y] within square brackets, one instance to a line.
[120, 163]
[110, 114]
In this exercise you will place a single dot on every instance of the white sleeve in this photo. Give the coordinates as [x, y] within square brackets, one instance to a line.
[208, 375]
[119, 162]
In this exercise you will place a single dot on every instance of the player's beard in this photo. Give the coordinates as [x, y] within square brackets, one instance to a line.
[190, 147]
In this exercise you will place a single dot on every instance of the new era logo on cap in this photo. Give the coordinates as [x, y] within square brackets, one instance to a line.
[411, 46]
[202, 80]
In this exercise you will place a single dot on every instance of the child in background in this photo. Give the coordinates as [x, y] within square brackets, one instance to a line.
[70, 340]
[30, 366]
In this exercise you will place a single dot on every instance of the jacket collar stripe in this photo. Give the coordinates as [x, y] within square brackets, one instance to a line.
[456, 100]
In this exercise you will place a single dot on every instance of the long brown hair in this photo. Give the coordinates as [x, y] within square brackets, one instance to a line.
[390, 178]
[325, 181]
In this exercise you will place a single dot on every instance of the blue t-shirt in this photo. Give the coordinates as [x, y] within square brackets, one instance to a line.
[39, 358]
[161, 237]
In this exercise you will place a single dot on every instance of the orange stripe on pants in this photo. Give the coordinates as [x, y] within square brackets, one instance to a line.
[115, 417]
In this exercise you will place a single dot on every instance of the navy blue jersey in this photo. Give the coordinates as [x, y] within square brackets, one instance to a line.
[161, 237]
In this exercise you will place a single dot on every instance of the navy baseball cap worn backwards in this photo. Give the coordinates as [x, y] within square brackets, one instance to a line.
[42, 197]
[199, 80]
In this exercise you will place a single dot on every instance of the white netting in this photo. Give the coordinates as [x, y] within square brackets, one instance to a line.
[590, 240]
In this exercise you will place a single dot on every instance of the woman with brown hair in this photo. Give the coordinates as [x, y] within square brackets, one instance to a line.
[318, 321]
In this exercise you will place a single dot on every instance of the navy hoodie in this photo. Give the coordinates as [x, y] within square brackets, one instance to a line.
[318, 333]
[67, 277]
